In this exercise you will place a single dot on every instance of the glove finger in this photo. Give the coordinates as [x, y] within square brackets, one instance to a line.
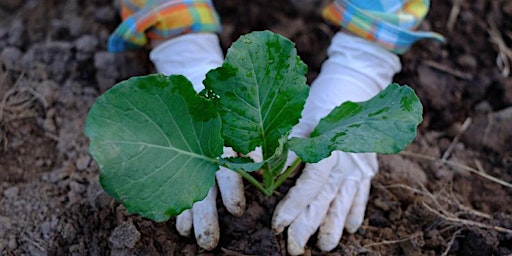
[184, 223]
[231, 189]
[308, 186]
[355, 216]
[206, 223]
[331, 229]
[310, 218]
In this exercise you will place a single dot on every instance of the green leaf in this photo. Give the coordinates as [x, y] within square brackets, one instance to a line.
[278, 160]
[156, 142]
[260, 91]
[384, 124]
[245, 164]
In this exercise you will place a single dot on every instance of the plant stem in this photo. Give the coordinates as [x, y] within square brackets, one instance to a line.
[268, 179]
[285, 175]
[254, 182]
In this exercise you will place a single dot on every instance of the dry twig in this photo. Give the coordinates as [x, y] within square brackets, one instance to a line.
[455, 140]
[454, 13]
[504, 52]
[449, 70]
[452, 240]
[388, 242]
[466, 222]
[457, 165]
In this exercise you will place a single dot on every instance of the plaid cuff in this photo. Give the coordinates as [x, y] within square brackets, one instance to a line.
[389, 23]
[161, 19]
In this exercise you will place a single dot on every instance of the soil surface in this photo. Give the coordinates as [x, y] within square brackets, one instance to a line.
[442, 197]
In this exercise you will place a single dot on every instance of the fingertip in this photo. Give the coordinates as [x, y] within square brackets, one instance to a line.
[184, 223]
[278, 221]
[326, 242]
[232, 191]
[353, 225]
[277, 228]
[237, 208]
[208, 240]
[294, 247]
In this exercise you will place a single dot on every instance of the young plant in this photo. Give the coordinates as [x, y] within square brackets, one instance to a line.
[158, 143]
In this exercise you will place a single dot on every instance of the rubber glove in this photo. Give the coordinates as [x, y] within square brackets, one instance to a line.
[333, 193]
[145, 20]
[193, 55]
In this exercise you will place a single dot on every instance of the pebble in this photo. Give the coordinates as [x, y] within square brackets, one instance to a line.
[483, 107]
[5, 224]
[11, 192]
[12, 244]
[11, 56]
[105, 14]
[467, 61]
[83, 162]
[76, 187]
[85, 47]
[48, 89]
[16, 34]
[125, 235]
[106, 72]
[45, 229]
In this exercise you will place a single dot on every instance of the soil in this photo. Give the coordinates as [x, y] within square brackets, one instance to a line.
[424, 202]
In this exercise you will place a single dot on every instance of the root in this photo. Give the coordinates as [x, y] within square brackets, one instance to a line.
[17, 101]
[445, 206]
[466, 222]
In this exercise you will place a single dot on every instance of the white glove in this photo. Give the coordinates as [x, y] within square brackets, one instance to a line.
[333, 193]
[193, 55]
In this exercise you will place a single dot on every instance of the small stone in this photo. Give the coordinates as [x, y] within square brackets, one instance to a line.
[45, 229]
[106, 72]
[483, 107]
[105, 14]
[467, 61]
[5, 225]
[11, 192]
[12, 244]
[83, 162]
[125, 235]
[85, 47]
[16, 34]
[11, 57]
[76, 187]
[49, 90]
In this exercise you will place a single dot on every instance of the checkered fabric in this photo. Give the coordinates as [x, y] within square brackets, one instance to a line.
[161, 19]
[389, 23]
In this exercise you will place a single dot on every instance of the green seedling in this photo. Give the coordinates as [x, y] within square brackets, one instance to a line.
[158, 143]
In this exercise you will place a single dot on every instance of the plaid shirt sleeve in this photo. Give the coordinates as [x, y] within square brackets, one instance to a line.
[160, 19]
[389, 23]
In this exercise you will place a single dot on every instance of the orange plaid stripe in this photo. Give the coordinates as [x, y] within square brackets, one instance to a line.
[160, 19]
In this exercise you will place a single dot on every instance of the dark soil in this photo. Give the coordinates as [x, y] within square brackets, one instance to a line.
[54, 64]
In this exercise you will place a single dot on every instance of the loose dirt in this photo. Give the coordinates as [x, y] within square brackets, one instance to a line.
[436, 199]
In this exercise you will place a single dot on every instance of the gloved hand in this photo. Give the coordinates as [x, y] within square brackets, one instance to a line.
[333, 193]
[193, 55]
[160, 20]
